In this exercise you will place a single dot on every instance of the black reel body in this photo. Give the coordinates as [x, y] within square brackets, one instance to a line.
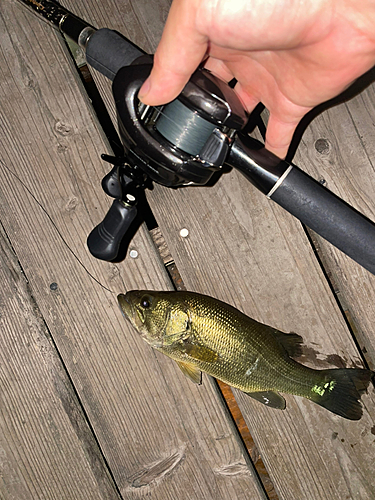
[181, 144]
[184, 142]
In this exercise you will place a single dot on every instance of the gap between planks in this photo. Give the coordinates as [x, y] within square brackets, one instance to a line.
[178, 284]
[225, 390]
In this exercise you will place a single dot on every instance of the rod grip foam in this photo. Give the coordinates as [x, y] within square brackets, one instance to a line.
[107, 51]
[328, 215]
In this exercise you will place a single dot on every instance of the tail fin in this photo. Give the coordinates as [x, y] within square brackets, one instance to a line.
[340, 391]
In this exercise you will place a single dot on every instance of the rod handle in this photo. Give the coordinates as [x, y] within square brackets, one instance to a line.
[107, 51]
[306, 199]
[329, 216]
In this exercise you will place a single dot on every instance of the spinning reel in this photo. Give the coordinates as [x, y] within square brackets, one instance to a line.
[185, 142]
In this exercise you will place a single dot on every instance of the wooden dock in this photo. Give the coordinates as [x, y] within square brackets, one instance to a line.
[87, 409]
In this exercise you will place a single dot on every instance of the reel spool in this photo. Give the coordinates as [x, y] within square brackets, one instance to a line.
[180, 144]
[184, 128]
[184, 142]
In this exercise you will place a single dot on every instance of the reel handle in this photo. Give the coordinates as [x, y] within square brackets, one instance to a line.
[105, 239]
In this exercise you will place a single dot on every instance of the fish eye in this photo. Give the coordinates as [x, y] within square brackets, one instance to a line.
[146, 302]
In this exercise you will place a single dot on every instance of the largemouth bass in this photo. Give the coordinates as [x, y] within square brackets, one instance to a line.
[203, 334]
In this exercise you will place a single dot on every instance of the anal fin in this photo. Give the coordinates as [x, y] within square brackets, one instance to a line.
[191, 371]
[269, 398]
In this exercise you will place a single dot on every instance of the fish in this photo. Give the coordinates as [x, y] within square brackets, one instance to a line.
[203, 334]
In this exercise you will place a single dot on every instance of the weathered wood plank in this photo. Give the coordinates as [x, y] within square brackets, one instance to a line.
[245, 250]
[262, 264]
[46, 445]
[160, 436]
[224, 388]
[344, 157]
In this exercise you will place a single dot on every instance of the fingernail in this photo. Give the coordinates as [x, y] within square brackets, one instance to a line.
[145, 89]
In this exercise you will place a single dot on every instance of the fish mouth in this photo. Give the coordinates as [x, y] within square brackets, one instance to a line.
[129, 311]
[125, 306]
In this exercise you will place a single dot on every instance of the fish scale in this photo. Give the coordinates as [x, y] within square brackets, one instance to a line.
[237, 353]
[203, 334]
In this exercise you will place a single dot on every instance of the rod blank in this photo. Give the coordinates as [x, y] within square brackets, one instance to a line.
[306, 199]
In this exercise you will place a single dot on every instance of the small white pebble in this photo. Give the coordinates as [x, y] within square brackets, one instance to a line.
[184, 232]
[133, 253]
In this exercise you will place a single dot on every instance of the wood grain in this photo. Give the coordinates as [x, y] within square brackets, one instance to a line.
[347, 165]
[245, 250]
[46, 445]
[160, 435]
[248, 440]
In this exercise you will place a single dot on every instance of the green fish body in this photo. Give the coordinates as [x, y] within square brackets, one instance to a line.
[203, 334]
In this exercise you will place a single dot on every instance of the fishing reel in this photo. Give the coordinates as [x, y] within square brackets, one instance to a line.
[185, 142]
[180, 144]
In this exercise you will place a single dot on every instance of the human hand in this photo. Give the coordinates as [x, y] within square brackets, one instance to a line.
[289, 55]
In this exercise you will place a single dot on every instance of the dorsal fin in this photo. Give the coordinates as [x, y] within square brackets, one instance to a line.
[292, 342]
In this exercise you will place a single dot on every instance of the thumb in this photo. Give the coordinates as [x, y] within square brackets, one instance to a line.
[280, 133]
[179, 53]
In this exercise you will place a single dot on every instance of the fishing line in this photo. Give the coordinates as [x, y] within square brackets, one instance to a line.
[189, 133]
[55, 226]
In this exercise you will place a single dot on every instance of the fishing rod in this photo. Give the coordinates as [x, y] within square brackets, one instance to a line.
[187, 141]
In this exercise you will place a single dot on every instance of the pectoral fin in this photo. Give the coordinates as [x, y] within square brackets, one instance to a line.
[191, 371]
[269, 398]
[200, 353]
